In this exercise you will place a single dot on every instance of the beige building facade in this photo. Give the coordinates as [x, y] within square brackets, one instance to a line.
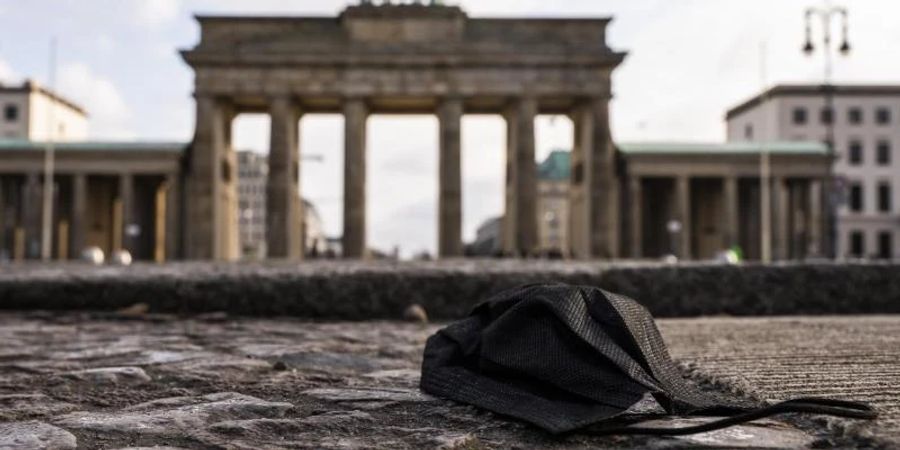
[113, 196]
[32, 112]
[712, 192]
[400, 59]
[865, 128]
[253, 170]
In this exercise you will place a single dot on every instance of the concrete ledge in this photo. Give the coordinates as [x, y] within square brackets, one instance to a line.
[447, 289]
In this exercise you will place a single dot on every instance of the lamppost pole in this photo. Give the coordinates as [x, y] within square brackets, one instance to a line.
[49, 160]
[826, 13]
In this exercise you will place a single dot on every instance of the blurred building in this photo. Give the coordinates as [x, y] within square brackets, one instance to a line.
[553, 203]
[402, 58]
[110, 195]
[114, 195]
[32, 112]
[315, 241]
[487, 239]
[711, 191]
[865, 128]
[253, 169]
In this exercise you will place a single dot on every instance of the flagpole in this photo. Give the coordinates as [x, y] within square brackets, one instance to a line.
[49, 161]
[765, 168]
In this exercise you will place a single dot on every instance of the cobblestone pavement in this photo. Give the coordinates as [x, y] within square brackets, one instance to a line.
[852, 358]
[132, 379]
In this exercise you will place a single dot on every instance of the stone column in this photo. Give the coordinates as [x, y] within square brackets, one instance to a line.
[283, 205]
[450, 243]
[636, 205]
[683, 193]
[781, 241]
[730, 191]
[594, 191]
[354, 238]
[211, 184]
[520, 219]
[31, 215]
[126, 196]
[173, 216]
[815, 226]
[79, 214]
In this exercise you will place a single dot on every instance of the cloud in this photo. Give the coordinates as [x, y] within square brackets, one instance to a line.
[154, 13]
[110, 116]
[7, 74]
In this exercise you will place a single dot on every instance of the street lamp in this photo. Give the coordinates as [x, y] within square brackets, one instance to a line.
[826, 13]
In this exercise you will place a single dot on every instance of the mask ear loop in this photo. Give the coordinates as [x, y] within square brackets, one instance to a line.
[810, 405]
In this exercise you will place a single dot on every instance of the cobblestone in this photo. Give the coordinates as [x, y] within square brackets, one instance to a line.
[214, 383]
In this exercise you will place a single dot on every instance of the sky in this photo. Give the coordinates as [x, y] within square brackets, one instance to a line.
[688, 61]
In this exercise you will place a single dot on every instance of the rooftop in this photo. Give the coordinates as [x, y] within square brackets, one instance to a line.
[33, 86]
[807, 90]
[556, 167]
[124, 146]
[724, 148]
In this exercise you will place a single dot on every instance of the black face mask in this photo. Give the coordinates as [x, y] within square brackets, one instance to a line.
[564, 357]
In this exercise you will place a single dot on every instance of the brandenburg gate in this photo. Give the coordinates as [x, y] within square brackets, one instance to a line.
[400, 59]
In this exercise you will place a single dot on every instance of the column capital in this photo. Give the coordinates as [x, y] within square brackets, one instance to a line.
[526, 100]
[449, 106]
[592, 100]
[284, 101]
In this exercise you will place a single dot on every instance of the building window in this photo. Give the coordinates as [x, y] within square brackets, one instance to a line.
[856, 152]
[857, 244]
[884, 153]
[883, 116]
[856, 197]
[826, 116]
[885, 245]
[799, 116]
[854, 116]
[11, 113]
[884, 197]
[748, 132]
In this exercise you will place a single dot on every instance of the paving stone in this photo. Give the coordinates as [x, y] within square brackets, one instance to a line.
[32, 406]
[332, 418]
[34, 436]
[773, 434]
[370, 398]
[110, 375]
[153, 448]
[175, 416]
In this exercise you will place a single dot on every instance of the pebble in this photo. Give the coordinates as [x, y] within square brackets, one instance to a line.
[415, 313]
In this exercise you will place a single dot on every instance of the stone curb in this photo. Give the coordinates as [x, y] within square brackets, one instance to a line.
[447, 290]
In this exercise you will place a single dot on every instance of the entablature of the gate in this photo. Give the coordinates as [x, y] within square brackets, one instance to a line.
[402, 58]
